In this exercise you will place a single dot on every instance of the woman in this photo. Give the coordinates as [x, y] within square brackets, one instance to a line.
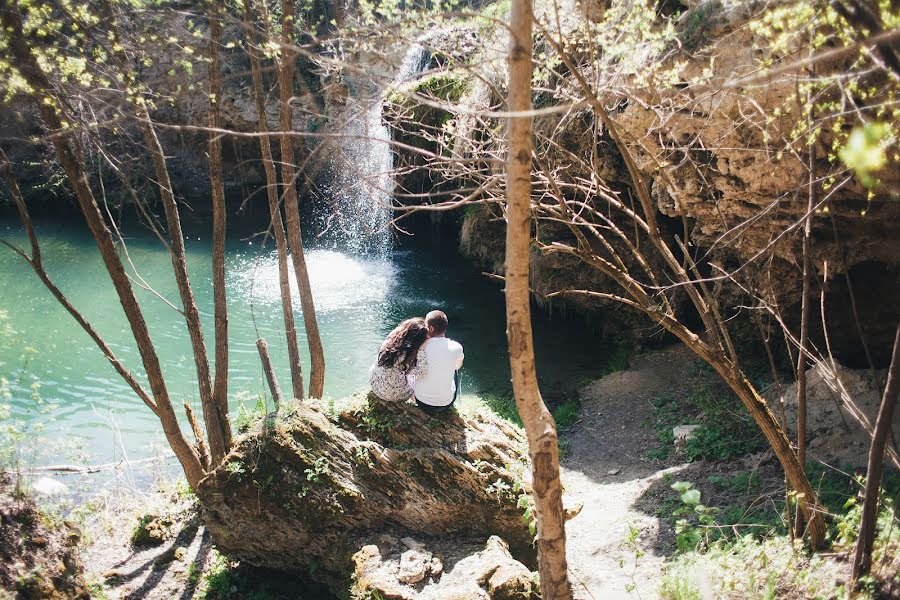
[399, 360]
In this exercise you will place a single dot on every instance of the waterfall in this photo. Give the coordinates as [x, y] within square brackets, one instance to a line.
[357, 183]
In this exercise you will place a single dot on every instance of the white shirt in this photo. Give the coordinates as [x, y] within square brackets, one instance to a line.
[443, 357]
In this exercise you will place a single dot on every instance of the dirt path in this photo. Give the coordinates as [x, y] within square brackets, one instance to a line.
[605, 470]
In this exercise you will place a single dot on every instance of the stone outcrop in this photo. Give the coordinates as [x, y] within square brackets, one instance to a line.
[442, 569]
[38, 557]
[839, 400]
[306, 487]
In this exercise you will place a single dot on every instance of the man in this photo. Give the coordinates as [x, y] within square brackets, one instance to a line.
[436, 389]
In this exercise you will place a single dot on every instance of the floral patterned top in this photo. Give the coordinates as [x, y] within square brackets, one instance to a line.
[393, 383]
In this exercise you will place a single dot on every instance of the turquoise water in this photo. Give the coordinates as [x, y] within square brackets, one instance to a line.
[97, 417]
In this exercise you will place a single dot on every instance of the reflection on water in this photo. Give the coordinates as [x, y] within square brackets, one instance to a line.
[358, 300]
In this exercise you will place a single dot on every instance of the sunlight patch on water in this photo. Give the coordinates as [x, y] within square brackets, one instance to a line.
[339, 281]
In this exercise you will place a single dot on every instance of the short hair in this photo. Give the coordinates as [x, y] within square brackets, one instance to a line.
[437, 320]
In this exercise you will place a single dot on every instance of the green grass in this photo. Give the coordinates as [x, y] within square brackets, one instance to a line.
[726, 429]
[565, 414]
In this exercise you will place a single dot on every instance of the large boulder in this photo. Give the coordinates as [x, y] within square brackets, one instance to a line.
[309, 486]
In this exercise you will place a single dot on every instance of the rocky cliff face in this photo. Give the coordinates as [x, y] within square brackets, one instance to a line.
[727, 169]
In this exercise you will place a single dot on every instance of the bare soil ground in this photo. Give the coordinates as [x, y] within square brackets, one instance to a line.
[605, 469]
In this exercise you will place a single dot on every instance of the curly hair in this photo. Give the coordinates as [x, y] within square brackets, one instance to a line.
[400, 347]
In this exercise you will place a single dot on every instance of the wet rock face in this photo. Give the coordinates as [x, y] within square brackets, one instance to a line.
[37, 559]
[306, 488]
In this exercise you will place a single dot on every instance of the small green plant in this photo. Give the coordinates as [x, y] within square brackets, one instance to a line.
[246, 416]
[501, 489]
[694, 517]
[234, 467]
[318, 471]
[377, 425]
[216, 581]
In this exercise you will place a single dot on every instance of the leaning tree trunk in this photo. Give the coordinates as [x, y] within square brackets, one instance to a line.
[291, 206]
[220, 308]
[862, 557]
[284, 283]
[216, 423]
[539, 425]
[69, 153]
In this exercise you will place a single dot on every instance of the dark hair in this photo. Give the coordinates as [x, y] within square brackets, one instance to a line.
[437, 320]
[400, 347]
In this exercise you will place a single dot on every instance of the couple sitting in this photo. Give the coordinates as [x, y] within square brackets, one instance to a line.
[418, 360]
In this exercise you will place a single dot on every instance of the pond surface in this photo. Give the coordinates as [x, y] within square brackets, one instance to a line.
[58, 382]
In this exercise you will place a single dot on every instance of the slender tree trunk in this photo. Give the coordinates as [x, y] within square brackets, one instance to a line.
[220, 381]
[215, 425]
[539, 425]
[794, 470]
[217, 429]
[291, 205]
[862, 557]
[804, 324]
[69, 153]
[269, 371]
[287, 306]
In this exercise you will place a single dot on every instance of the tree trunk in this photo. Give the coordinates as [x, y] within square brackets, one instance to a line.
[287, 306]
[216, 423]
[268, 371]
[69, 153]
[804, 326]
[220, 382]
[539, 425]
[291, 206]
[794, 471]
[862, 557]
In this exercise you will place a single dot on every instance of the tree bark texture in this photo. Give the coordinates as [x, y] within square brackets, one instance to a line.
[539, 425]
[291, 205]
[69, 153]
[268, 371]
[862, 557]
[217, 187]
[284, 283]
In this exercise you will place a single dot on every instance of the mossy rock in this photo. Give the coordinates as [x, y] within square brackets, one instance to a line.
[313, 484]
[152, 530]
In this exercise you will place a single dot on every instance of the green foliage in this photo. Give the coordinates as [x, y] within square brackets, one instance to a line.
[726, 429]
[246, 416]
[864, 151]
[318, 471]
[504, 405]
[216, 580]
[235, 467]
[448, 86]
[694, 518]
[566, 414]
